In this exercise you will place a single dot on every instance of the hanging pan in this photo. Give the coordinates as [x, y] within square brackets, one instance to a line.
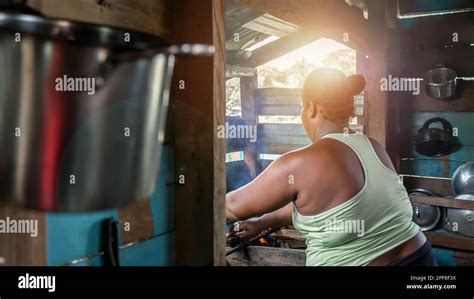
[434, 141]
[441, 82]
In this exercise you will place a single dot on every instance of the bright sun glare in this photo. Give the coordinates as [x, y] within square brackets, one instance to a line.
[312, 53]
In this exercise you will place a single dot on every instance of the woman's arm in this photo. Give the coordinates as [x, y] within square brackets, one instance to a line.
[252, 227]
[273, 189]
[278, 218]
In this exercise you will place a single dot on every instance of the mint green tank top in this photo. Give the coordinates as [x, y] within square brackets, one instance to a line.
[374, 221]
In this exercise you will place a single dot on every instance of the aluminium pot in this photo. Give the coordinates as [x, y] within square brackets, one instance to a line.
[82, 113]
[427, 217]
[461, 220]
[462, 181]
[441, 82]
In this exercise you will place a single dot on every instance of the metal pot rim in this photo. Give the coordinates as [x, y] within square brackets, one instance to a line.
[72, 31]
[456, 174]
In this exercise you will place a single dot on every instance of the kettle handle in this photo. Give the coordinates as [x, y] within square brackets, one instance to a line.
[447, 127]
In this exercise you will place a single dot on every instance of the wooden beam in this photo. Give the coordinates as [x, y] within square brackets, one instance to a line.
[142, 15]
[268, 256]
[327, 18]
[377, 61]
[198, 95]
[450, 240]
[443, 202]
[440, 187]
[219, 98]
[282, 46]
[248, 86]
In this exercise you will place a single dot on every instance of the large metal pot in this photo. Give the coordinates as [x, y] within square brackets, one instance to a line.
[462, 221]
[462, 181]
[97, 146]
[427, 217]
[441, 82]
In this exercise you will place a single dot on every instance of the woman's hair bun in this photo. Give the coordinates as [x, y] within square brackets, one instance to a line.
[356, 84]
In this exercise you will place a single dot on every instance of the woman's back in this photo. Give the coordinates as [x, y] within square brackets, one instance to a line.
[350, 204]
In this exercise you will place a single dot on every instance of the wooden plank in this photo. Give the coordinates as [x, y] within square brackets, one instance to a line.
[464, 258]
[248, 86]
[443, 202]
[416, 32]
[377, 99]
[328, 18]
[439, 187]
[268, 256]
[291, 238]
[280, 129]
[450, 240]
[141, 15]
[280, 47]
[283, 139]
[464, 102]
[200, 214]
[219, 145]
[23, 249]
[286, 234]
[279, 110]
[278, 96]
[278, 101]
[136, 222]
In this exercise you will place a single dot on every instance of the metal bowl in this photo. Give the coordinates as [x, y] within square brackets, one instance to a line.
[462, 181]
[462, 221]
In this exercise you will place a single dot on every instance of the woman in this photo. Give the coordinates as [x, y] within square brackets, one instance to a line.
[341, 191]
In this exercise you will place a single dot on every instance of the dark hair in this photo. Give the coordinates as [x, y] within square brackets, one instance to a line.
[333, 92]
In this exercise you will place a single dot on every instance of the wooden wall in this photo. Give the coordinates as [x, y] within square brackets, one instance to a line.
[199, 109]
[417, 46]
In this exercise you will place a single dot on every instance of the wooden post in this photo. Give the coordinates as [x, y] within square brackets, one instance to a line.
[248, 85]
[377, 99]
[198, 93]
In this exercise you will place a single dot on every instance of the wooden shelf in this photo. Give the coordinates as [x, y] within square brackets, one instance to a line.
[450, 240]
[443, 202]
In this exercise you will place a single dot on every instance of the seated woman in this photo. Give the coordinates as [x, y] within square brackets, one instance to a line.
[341, 191]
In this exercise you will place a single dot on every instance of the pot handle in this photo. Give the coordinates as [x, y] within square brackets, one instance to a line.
[447, 127]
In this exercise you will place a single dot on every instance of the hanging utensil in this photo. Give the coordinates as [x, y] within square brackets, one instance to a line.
[434, 141]
[441, 82]
[462, 221]
[462, 181]
[427, 217]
